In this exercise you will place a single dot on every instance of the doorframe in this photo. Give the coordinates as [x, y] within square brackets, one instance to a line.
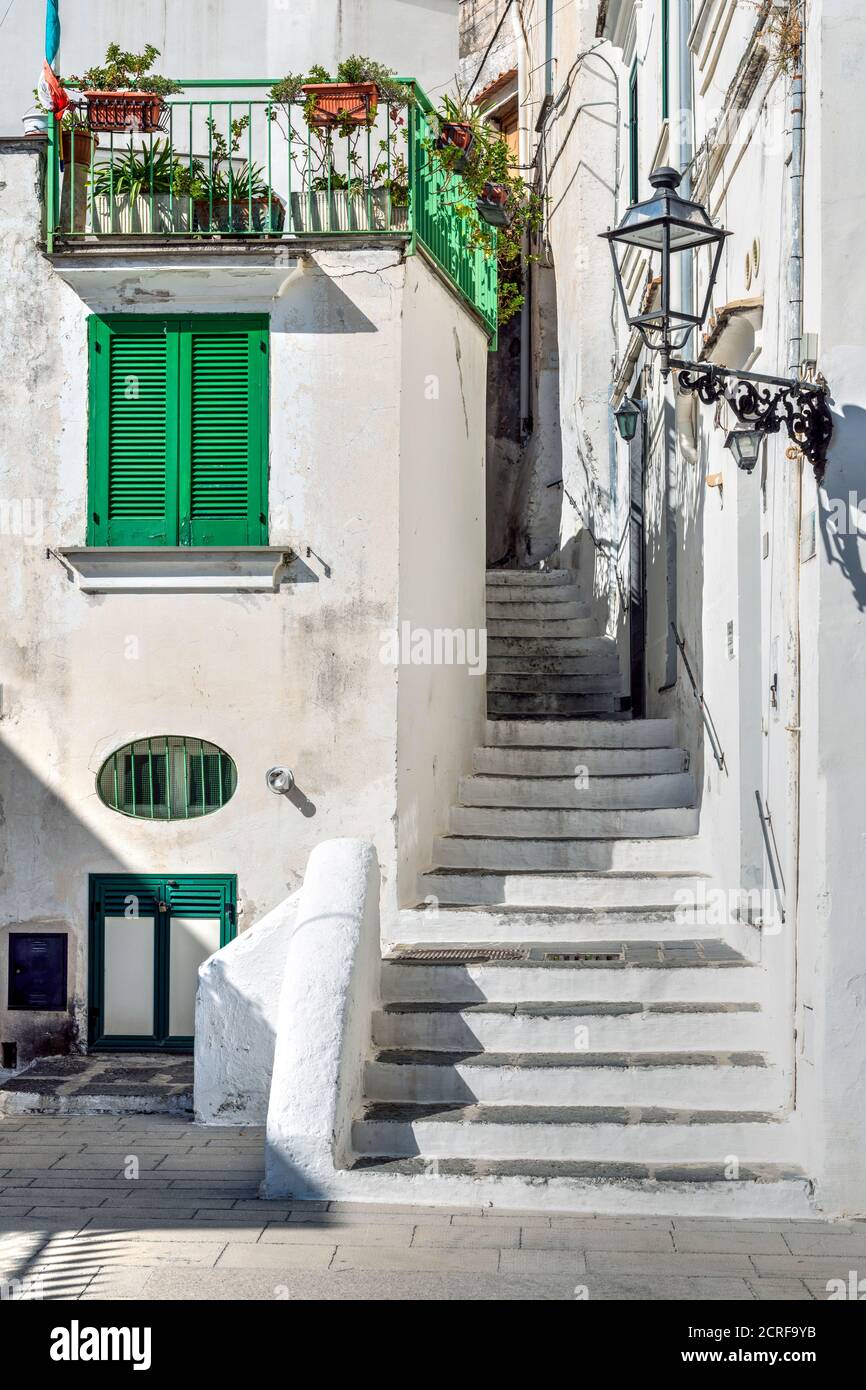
[157, 886]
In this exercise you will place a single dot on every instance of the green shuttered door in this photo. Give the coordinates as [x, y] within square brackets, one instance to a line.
[178, 430]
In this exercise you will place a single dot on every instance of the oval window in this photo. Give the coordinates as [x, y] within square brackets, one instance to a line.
[167, 778]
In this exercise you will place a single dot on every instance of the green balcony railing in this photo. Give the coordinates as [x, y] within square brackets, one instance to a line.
[230, 163]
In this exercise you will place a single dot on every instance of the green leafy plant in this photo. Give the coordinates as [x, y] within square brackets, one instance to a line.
[489, 161]
[126, 72]
[138, 171]
[218, 180]
[355, 69]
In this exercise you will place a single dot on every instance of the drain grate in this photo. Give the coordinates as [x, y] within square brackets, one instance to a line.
[465, 955]
[602, 956]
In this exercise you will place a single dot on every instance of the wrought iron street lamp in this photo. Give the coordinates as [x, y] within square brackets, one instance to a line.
[626, 418]
[745, 445]
[664, 228]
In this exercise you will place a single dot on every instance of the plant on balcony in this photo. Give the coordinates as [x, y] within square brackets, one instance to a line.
[460, 126]
[227, 198]
[123, 94]
[343, 102]
[74, 129]
[498, 209]
[139, 192]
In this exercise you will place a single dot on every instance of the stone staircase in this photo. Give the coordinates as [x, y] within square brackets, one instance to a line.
[557, 1025]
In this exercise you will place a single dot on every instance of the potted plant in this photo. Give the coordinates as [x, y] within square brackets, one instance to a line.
[226, 198]
[138, 193]
[492, 204]
[351, 98]
[123, 94]
[459, 126]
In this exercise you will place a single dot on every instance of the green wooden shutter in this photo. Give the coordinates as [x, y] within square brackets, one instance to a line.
[223, 431]
[133, 432]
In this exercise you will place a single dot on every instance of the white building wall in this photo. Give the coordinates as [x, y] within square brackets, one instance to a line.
[294, 677]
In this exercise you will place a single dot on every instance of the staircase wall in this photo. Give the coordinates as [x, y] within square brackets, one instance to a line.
[440, 651]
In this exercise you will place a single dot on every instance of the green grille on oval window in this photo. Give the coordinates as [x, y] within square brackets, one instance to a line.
[167, 778]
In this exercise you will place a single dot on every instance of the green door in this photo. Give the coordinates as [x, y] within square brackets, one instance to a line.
[148, 936]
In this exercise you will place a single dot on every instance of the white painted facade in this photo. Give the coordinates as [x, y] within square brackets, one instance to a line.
[282, 657]
[763, 575]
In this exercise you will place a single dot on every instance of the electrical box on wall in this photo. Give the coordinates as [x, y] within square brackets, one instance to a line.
[37, 970]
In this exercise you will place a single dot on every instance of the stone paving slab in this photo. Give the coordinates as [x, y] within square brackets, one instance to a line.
[191, 1226]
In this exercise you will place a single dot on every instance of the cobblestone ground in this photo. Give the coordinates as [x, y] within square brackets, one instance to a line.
[153, 1207]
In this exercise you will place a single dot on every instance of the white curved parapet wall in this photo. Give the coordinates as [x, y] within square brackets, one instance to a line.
[330, 990]
[236, 1020]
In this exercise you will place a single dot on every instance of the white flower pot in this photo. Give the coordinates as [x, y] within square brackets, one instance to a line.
[142, 217]
[36, 122]
[347, 212]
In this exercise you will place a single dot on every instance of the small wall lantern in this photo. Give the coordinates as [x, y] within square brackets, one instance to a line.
[627, 416]
[745, 445]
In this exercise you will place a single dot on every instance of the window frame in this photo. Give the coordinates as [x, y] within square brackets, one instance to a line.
[633, 145]
[179, 329]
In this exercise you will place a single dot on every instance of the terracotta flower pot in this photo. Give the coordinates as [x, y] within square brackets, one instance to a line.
[336, 102]
[457, 135]
[82, 142]
[138, 112]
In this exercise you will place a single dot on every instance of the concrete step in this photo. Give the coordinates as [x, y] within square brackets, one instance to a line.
[594, 1134]
[576, 733]
[566, 762]
[548, 628]
[662, 975]
[548, 1027]
[641, 1190]
[602, 664]
[552, 683]
[602, 890]
[583, 824]
[553, 648]
[674, 1079]
[499, 924]
[549, 706]
[511, 595]
[646, 791]
[511, 852]
[545, 612]
[540, 579]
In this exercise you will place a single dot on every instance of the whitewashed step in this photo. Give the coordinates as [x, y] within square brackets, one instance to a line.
[543, 612]
[548, 628]
[551, 648]
[556, 1027]
[553, 683]
[517, 705]
[543, 667]
[722, 1080]
[604, 891]
[541, 579]
[523, 982]
[510, 595]
[511, 852]
[589, 1133]
[562, 824]
[564, 762]
[650, 791]
[496, 924]
[576, 733]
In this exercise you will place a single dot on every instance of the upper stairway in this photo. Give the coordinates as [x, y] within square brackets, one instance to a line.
[545, 658]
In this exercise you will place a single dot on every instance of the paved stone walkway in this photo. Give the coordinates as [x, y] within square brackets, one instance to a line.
[108, 1081]
[154, 1207]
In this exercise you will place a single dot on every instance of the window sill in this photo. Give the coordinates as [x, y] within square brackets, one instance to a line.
[175, 569]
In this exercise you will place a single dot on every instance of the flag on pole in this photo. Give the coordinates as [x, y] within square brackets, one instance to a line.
[51, 92]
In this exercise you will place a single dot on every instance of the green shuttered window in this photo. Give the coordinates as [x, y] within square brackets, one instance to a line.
[178, 430]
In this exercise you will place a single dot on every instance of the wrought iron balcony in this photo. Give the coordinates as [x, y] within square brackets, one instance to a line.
[230, 164]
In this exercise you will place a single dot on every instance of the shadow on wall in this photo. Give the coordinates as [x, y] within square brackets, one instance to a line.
[318, 305]
[841, 498]
[46, 890]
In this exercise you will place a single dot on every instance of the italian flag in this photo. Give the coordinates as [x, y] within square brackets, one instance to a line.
[51, 92]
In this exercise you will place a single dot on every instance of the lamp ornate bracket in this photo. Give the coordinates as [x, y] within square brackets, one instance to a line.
[766, 403]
